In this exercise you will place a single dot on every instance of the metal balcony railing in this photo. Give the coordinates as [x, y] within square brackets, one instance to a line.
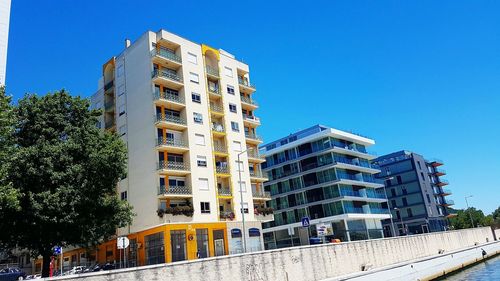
[174, 190]
[167, 55]
[261, 194]
[253, 136]
[171, 75]
[256, 155]
[171, 142]
[244, 82]
[168, 97]
[248, 100]
[218, 127]
[171, 119]
[222, 170]
[172, 165]
[212, 71]
[215, 91]
[215, 107]
[251, 118]
[224, 191]
[220, 148]
[256, 174]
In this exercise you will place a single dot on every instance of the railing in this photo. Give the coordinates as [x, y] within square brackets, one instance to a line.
[171, 165]
[224, 191]
[109, 105]
[166, 74]
[256, 174]
[369, 193]
[244, 82]
[174, 190]
[357, 210]
[445, 191]
[345, 160]
[212, 71]
[253, 136]
[215, 91]
[171, 142]
[220, 148]
[216, 107]
[217, 127]
[251, 118]
[248, 100]
[261, 194]
[253, 154]
[440, 171]
[171, 119]
[448, 202]
[109, 85]
[109, 124]
[169, 97]
[442, 182]
[222, 170]
[167, 54]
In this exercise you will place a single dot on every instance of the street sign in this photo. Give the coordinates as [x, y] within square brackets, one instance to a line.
[57, 250]
[321, 229]
[122, 242]
[305, 222]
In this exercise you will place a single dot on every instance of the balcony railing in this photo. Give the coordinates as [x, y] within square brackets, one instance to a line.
[248, 100]
[215, 107]
[109, 124]
[447, 202]
[171, 142]
[220, 148]
[167, 74]
[215, 91]
[222, 170]
[218, 127]
[167, 54]
[212, 71]
[174, 190]
[261, 194]
[358, 210]
[244, 82]
[168, 97]
[171, 165]
[109, 105]
[256, 174]
[251, 118]
[253, 136]
[358, 178]
[224, 191]
[442, 182]
[109, 85]
[345, 160]
[171, 119]
[253, 154]
[369, 194]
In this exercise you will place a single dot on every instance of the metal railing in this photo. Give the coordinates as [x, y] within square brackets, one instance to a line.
[261, 194]
[109, 124]
[218, 127]
[109, 105]
[215, 91]
[358, 210]
[253, 154]
[167, 74]
[171, 119]
[212, 71]
[171, 142]
[253, 136]
[216, 107]
[251, 118]
[222, 170]
[220, 148]
[168, 97]
[244, 82]
[167, 54]
[109, 85]
[172, 165]
[248, 100]
[256, 174]
[174, 190]
[224, 191]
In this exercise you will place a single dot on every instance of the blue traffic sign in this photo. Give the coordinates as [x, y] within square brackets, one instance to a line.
[305, 222]
[57, 250]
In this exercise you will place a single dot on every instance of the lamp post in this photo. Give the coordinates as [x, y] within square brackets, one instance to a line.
[386, 198]
[470, 215]
[241, 201]
[401, 218]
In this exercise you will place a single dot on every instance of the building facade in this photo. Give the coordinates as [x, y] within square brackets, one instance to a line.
[186, 113]
[325, 175]
[416, 193]
[4, 37]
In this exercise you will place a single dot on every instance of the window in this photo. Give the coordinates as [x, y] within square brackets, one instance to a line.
[400, 181]
[121, 110]
[119, 71]
[205, 207]
[123, 196]
[193, 77]
[196, 97]
[121, 90]
[235, 127]
[393, 192]
[422, 176]
[409, 212]
[419, 165]
[122, 130]
[199, 139]
[242, 186]
[203, 183]
[192, 58]
[245, 208]
[404, 190]
[198, 118]
[393, 203]
[428, 199]
[239, 166]
[201, 160]
[230, 89]
[405, 202]
[232, 107]
[228, 71]
[237, 146]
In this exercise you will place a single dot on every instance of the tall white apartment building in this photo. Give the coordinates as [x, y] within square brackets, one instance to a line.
[4, 37]
[185, 111]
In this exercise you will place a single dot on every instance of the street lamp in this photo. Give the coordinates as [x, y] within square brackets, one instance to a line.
[470, 214]
[401, 218]
[241, 200]
[388, 205]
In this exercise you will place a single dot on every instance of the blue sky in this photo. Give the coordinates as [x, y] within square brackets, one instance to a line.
[416, 75]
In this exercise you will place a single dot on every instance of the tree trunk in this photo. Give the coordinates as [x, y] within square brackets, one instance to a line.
[46, 263]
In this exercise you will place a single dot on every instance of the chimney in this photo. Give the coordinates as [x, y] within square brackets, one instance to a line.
[127, 43]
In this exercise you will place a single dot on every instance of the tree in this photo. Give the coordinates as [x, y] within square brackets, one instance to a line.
[496, 218]
[463, 219]
[66, 171]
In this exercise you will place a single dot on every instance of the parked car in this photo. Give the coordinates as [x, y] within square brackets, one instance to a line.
[10, 274]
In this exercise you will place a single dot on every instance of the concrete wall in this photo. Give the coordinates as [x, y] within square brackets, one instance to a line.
[497, 234]
[305, 263]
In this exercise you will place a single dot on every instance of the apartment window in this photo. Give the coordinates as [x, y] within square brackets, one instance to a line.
[404, 190]
[199, 139]
[228, 71]
[393, 192]
[419, 165]
[119, 71]
[123, 196]
[405, 202]
[400, 180]
[230, 89]
[121, 109]
[232, 107]
[122, 130]
[203, 184]
[245, 208]
[409, 212]
[239, 166]
[201, 160]
[205, 207]
[192, 58]
[237, 146]
[393, 203]
[242, 186]
[387, 182]
[235, 127]
[121, 90]
[428, 198]
[198, 118]
[196, 97]
[193, 77]
[422, 176]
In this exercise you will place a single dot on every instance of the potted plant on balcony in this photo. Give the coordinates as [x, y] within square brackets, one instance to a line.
[160, 212]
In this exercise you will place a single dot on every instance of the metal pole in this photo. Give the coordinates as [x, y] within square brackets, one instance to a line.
[470, 215]
[61, 260]
[392, 221]
[402, 222]
[241, 203]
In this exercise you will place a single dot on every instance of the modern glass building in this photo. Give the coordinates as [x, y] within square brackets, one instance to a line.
[325, 175]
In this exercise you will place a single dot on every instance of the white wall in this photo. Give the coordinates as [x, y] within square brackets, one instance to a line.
[4, 37]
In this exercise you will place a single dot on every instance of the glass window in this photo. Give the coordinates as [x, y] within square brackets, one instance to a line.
[196, 97]
[201, 160]
[198, 118]
[228, 71]
[122, 130]
[192, 58]
[230, 89]
[123, 195]
[235, 127]
[121, 110]
[232, 107]
[199, 139]
[245, 208]
[193, 77]
[205, 207]
[203, 184]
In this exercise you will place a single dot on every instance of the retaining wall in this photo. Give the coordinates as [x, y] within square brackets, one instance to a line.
[305, 263]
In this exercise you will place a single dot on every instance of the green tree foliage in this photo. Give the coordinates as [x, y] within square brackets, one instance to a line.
[463, 219]
[496, 218]
[66, 171]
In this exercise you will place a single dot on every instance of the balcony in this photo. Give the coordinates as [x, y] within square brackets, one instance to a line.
[220, 149]
[218, 128]
[442, 182]
[221, 170]
[245, 86]
[216, 109]
[258, 176]
[212, 71]
[171, 144]
[251, 120]
[175, 191]
[358, 210]
[109, 106]
[248, 103]
[352, 150]
[444, 192]
[351, 179]
[171, 122]
[224, 192]
[261, 195]
[351, 164]
[214, 92]
[226, 216]
[446, 203]
[168, 100]
[368, 194]
[255, 157]
[168, 78]
[253, 138]
[436, 162]
[173, 168]
[166, 57]
[109, 85]
[439, 172]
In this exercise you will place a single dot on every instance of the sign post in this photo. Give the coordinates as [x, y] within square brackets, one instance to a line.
[305, 222]
[322, 231]
[122, 243]
[58, 250]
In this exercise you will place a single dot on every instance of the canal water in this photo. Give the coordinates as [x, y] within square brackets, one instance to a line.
[488, 270]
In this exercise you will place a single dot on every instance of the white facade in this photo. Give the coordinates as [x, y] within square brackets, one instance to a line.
[4, 37]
